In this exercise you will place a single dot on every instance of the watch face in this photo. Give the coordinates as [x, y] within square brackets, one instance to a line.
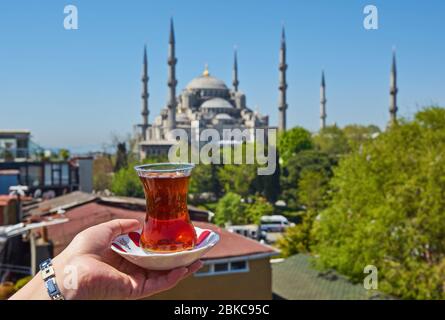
[45, 264]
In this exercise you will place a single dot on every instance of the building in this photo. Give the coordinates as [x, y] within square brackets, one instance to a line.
[205, 103]
[14, 145]
[23, 162]
[58, 177]
[236, 268]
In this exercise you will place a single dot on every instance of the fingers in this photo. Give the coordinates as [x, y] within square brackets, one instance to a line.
[194, 267]
[119, 226]
[161, 281]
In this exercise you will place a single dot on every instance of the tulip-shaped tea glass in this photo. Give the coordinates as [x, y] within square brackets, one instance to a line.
[167, 226]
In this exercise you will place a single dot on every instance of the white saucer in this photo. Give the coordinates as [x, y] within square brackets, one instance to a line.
[127, 245]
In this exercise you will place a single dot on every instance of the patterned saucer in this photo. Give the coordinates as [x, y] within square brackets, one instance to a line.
[127, 245]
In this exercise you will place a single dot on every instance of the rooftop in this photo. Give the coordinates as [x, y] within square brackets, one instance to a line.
[15, 131]
[64, 202]
[297, 279]
[92, 213]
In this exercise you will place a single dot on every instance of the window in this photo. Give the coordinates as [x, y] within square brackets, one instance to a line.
[65, 174]
[223, 267]
[74, 176]
[35, 176]
[204, 269]
[238, 265]
[56, 174]
[48, 175]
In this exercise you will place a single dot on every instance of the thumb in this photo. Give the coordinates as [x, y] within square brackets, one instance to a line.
[119, 226]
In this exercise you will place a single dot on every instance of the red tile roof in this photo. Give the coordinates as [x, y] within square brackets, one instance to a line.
[89, 214]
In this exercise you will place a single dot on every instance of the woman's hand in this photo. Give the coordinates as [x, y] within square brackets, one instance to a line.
[89, 269]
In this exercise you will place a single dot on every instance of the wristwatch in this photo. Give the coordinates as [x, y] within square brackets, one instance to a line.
[49, 278]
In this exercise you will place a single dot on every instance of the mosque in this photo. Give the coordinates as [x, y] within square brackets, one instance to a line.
[207, 102]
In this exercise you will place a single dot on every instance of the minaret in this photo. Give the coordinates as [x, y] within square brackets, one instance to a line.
[235, 72]
[322, 102]
[283, 85]
[393, 90]
[144, 95]
[171, 120]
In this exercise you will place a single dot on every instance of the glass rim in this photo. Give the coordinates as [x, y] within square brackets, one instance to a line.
[154, 167]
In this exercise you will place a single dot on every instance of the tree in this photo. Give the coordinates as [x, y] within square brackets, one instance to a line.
[121, 156]
[64, 154]
[204, 179]
[102, 173]
[126, 183]
[298, 238]
[387, 210]
[238, 178]
[230, 209]
[312, 160]
[292, 141]
[260, 207]
[356, 135]
[312, 190]
[332, 141]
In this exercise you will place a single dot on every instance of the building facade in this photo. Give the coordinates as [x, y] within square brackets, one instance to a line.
[205, 103]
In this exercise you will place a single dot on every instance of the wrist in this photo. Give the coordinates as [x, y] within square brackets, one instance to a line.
[67, 277]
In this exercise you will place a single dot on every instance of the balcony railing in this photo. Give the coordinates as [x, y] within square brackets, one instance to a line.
[12, 154]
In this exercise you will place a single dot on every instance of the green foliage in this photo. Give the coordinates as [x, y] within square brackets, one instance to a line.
[356, 135]
[388, 208]
[260, 207]
[121, 156]
[312, 188]
[292, 141]
[332, 141]
[126, 183]
[298, 238]
[204, 179]
[64, 154]
[233, 210]
[230, 209]
[311, 160]
[102, 173]
[238, 178]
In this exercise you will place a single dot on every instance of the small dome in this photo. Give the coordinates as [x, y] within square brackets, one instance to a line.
[217, 103]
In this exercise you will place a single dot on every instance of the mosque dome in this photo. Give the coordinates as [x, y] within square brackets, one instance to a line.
[217, 103]
[206, 81]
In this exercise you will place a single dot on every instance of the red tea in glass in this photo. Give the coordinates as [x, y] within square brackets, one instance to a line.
[167, 226]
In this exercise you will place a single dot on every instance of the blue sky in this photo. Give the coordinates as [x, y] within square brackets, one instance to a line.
[74, 88]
